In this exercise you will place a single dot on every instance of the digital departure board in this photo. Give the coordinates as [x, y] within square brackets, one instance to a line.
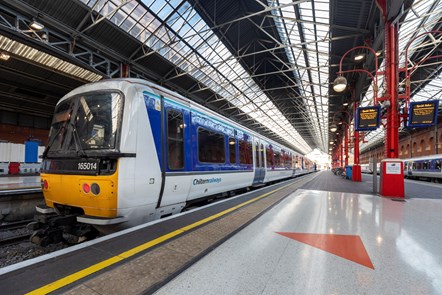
[367, 118]
[423, 113]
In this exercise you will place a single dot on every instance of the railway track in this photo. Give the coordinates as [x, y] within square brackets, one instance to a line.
[14, 239]
[15, 225]
[12, 232]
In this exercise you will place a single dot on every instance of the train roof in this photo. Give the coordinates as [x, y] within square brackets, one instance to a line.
[121, 83]
[437, 156]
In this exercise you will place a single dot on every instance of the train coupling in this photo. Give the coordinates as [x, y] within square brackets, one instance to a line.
[52, 228]
[49, 228]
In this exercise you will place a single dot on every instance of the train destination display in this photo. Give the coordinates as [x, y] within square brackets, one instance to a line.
[422, 114]
[367, 118]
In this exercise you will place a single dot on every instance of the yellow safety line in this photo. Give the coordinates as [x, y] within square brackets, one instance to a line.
[108, 262]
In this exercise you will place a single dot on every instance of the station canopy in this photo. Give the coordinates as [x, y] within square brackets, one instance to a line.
[267, 64]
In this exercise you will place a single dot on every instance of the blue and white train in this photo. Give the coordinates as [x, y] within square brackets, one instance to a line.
[368, 168]
[428, 167]
[126, 151]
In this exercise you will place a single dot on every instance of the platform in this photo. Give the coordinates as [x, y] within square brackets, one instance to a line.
[11, 184]
[284, 239]
[318, 242]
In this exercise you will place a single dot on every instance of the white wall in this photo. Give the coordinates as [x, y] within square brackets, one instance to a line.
[15, 152]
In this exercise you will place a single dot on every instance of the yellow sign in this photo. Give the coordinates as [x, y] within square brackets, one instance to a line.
[368, 118]
[422, 113]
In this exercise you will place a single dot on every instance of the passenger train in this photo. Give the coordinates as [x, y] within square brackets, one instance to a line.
[126, 151]
[368, 168]
[426, 167]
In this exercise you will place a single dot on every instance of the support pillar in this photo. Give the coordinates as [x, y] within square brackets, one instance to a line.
[392, 170]
[125, 71]
[346, 144]
[341, 154]
[356, 170]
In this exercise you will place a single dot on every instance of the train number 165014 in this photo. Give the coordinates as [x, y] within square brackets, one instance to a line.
[87, 166]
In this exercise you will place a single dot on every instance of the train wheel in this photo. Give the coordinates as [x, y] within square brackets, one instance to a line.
[40, 238]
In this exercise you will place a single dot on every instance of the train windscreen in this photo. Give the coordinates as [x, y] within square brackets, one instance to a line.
[86, 122]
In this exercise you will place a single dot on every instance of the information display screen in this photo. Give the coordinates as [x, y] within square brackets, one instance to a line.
[367, 118]
[422, 114]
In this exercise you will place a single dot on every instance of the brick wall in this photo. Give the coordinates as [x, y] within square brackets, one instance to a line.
[18, 134]
[417, 143]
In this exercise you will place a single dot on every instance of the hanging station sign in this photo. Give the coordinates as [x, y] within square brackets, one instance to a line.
[367, 118]
[423, 113]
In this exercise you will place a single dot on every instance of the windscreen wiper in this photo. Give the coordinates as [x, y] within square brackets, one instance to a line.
[48, 147]
[78, 147]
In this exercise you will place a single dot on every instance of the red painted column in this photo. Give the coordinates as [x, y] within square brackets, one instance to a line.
[392, 76]
[346, 144]
[341, 154]
[392, 170]
[125, 71]
[356, 170]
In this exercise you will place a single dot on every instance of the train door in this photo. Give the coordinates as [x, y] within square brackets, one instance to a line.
[176, 154]
[259, 163]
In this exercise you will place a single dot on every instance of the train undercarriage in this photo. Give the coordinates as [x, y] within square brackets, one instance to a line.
[52, 226]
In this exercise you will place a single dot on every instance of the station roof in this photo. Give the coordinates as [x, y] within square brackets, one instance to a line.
[267, 64]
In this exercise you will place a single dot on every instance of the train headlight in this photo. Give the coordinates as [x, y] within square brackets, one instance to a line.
[86, 188]
[95, 188]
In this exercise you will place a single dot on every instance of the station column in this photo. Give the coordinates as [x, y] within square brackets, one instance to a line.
[392, 170]
[356, 173]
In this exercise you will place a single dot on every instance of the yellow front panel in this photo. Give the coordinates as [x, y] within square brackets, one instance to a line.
[68, 190]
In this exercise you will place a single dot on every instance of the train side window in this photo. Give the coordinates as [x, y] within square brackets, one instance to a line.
[283, 160]
[277, 159]
[261, 150]
[269, 156]
[438, 164]
[232, 150]
[211, 146]
[175, 140]
[245, 152]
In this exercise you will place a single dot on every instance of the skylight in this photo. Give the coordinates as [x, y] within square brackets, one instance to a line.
[307, 47]
[178, 33]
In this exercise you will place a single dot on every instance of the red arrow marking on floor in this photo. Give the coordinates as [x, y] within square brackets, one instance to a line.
[345, 246]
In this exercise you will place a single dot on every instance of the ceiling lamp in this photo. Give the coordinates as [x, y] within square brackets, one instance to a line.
[378, 53]
[339, 84]
[333, 128]
[4, 55]
[359, 57]
[36, 25]
[331, 142]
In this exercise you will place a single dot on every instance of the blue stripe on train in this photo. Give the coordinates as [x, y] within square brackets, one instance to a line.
[197, 119]
[153, 107]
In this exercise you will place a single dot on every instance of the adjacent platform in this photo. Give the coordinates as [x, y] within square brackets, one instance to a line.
[19, 184]
[287, 239]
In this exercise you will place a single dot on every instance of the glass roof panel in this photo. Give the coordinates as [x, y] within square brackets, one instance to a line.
[309, 57]
[179, 34]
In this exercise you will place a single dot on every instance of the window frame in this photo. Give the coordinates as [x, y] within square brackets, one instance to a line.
[198, 145]
[175, 139]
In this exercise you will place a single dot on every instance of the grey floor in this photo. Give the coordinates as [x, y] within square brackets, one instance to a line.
[401, 239]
